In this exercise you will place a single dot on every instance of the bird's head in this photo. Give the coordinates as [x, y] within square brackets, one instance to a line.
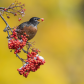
[35, 20]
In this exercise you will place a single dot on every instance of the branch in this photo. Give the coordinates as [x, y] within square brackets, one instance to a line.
[20, 58]
[2, 7]
[25, 51]
[6, 24]
[13, 9]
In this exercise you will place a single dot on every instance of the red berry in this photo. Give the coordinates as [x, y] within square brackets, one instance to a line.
[21, 35]
[19, 19]
[24, 33]
[15, 52]
[36, 50]
[14, 30]
[19, 2]
[24, 9]
[5, 9]
[16, 37]
[23, 4]
[24, 36]
[42, 19]
[15, 14]
[8, 17]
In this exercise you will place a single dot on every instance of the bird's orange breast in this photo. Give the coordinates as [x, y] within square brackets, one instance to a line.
[30, 31]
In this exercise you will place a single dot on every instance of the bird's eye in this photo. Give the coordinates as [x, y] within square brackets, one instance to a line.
[35, 19]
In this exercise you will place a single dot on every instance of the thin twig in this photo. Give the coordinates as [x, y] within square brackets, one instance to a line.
[2, 7]
[14, 7]
[11, 7]
[25, 51]
[20, 58]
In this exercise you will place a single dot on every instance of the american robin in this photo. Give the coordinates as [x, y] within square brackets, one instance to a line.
[29, 27]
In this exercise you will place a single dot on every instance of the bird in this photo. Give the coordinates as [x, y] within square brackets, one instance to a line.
[29, 27]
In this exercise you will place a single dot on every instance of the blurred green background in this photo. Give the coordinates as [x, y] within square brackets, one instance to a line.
[60, 38]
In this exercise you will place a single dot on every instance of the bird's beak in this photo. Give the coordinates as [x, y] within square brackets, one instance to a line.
[40, 20]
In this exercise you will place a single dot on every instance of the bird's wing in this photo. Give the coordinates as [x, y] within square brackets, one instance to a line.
[30, 30]
[21, 26]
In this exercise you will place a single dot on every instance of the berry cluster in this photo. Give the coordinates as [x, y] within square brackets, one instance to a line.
[15, 8]
[14, 43]
[33, 62]
[35, 50]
